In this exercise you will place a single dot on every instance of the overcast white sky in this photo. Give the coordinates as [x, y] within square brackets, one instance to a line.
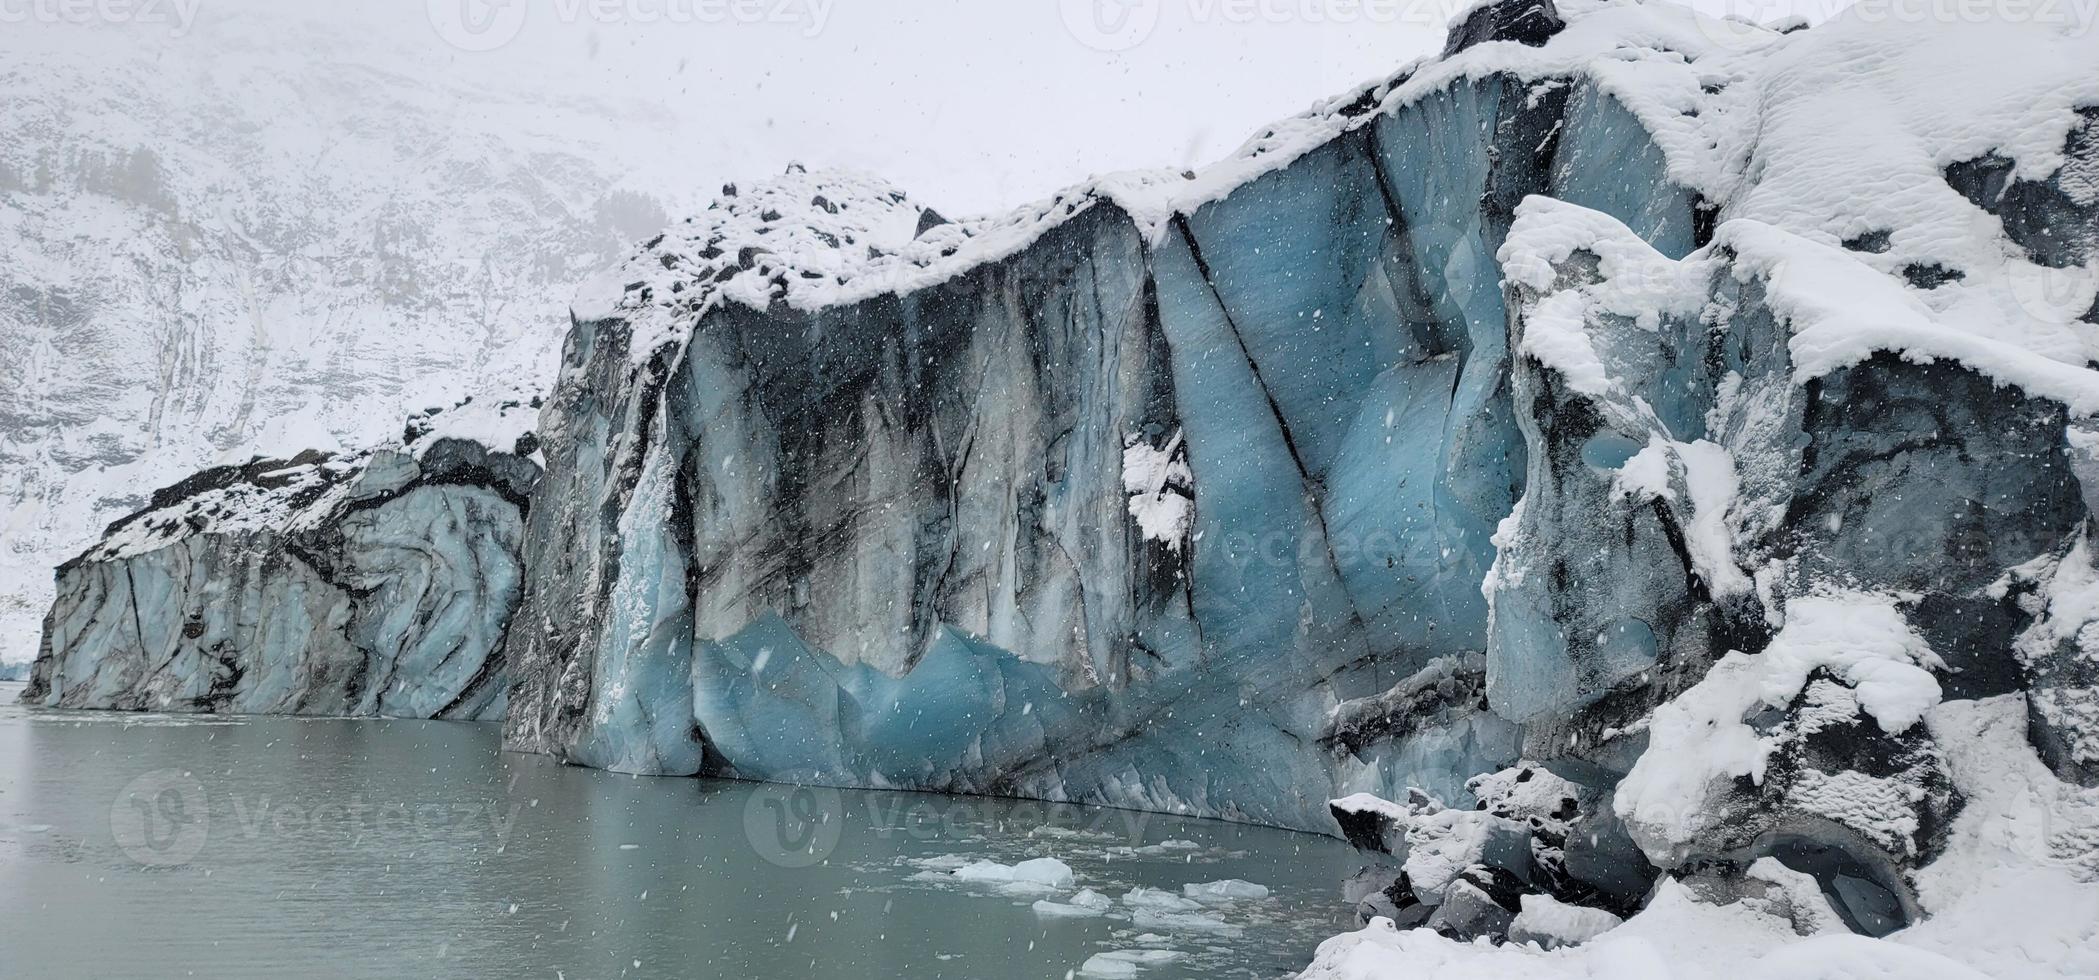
[971, 105]
[974, 105]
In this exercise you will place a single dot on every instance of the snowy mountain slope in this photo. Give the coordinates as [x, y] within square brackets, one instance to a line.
[216, 251]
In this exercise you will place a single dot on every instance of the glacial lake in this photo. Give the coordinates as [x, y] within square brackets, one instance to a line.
[170, 846]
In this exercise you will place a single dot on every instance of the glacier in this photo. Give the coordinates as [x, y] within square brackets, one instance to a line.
[372, 584]
[1632, 474]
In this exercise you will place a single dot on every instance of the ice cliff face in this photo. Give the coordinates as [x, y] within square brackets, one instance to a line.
[379, 583]
[1179, 491]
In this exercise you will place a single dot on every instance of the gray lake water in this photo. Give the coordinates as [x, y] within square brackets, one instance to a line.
[169, 846]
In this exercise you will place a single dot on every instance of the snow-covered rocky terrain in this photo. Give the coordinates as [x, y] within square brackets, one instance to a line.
[229, 247]
[1633, 474]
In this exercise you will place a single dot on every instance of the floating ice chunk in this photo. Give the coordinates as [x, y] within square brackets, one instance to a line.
[1228, 890]
[1171, 845]
[1046, 873]
[1086, 904]
[1126, 962]
[1151, 918]
[1160, 899]
[943, 862]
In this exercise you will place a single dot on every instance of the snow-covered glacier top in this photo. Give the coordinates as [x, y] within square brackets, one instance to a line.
[301, 493]
[1831, 135]
[814, 238]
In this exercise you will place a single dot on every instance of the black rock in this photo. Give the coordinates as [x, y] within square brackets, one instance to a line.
[928, 220]
[1530, 22]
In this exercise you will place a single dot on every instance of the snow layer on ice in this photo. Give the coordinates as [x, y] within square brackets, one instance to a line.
[1865, 641]
[1160, 483]
[2068, 627]
[1702, 740]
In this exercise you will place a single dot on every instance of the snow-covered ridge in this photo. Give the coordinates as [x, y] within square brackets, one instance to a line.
[309, 489]
[818, 238]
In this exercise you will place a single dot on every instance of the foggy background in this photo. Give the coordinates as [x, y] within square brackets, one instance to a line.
[968, 105]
